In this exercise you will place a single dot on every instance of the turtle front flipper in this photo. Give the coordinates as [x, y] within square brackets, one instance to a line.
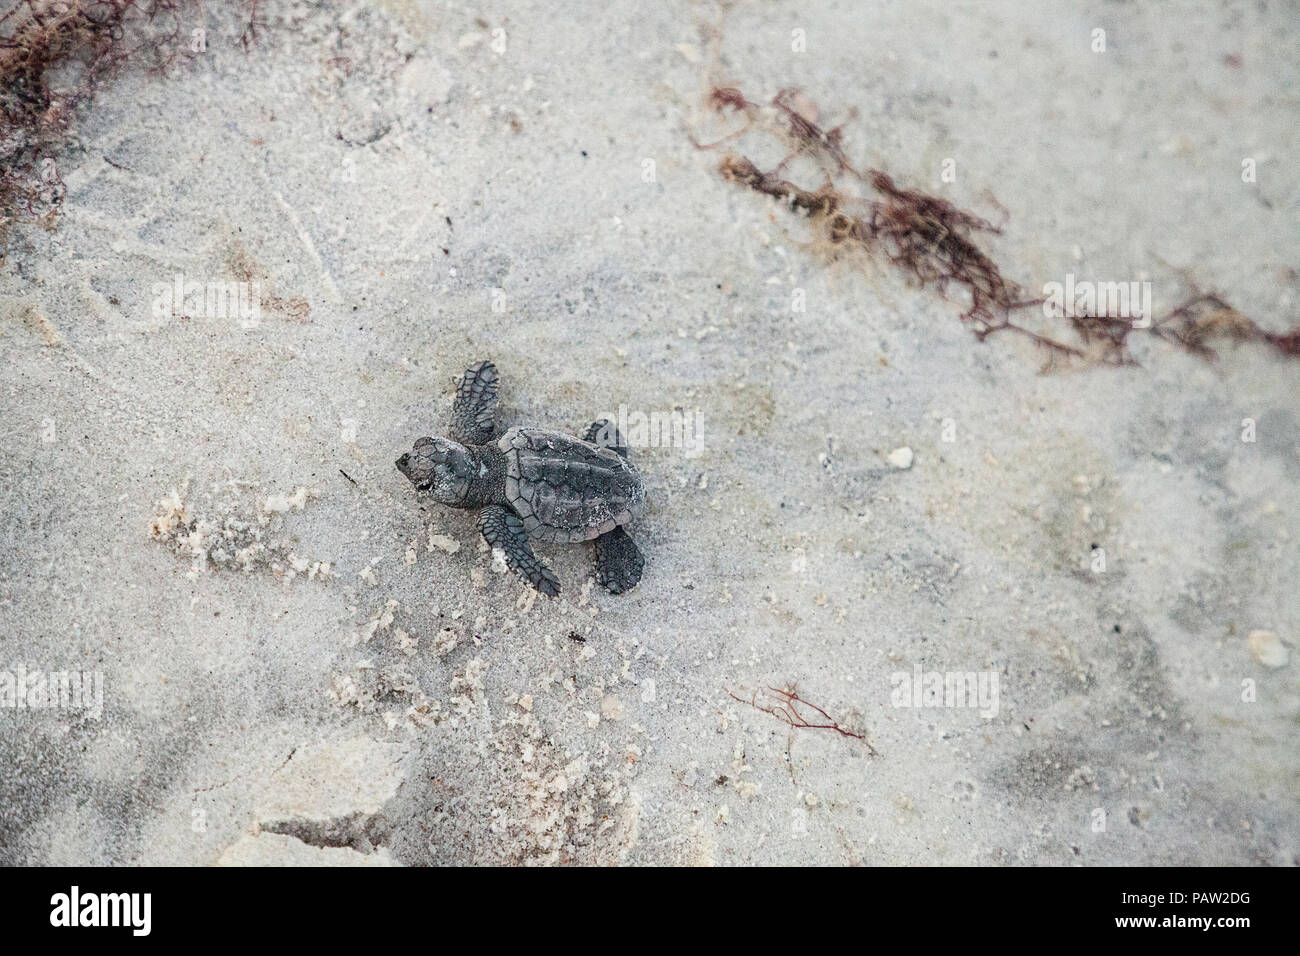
[502, 528]
[619, 561]
[473, 414]
[605, 434]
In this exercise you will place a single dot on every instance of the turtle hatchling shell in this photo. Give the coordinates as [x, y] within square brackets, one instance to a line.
[567, 489]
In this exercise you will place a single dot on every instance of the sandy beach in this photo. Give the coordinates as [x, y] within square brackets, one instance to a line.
[910, 596]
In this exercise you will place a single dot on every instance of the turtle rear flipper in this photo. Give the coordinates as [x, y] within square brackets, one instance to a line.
[605, 434]
[619, 561]
[473, 414]
[502, 528]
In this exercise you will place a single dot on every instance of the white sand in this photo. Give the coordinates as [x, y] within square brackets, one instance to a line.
[322, 671]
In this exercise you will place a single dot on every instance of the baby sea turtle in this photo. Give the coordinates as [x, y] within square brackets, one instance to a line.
[533, 482]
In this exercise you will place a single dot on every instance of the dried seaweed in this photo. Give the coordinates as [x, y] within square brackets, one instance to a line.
[784, 704]
[931, 241]
[87, 41]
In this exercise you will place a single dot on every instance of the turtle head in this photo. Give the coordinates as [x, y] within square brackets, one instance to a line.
[440, 467]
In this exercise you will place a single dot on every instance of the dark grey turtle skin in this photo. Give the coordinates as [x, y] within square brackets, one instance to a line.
[532, 482]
